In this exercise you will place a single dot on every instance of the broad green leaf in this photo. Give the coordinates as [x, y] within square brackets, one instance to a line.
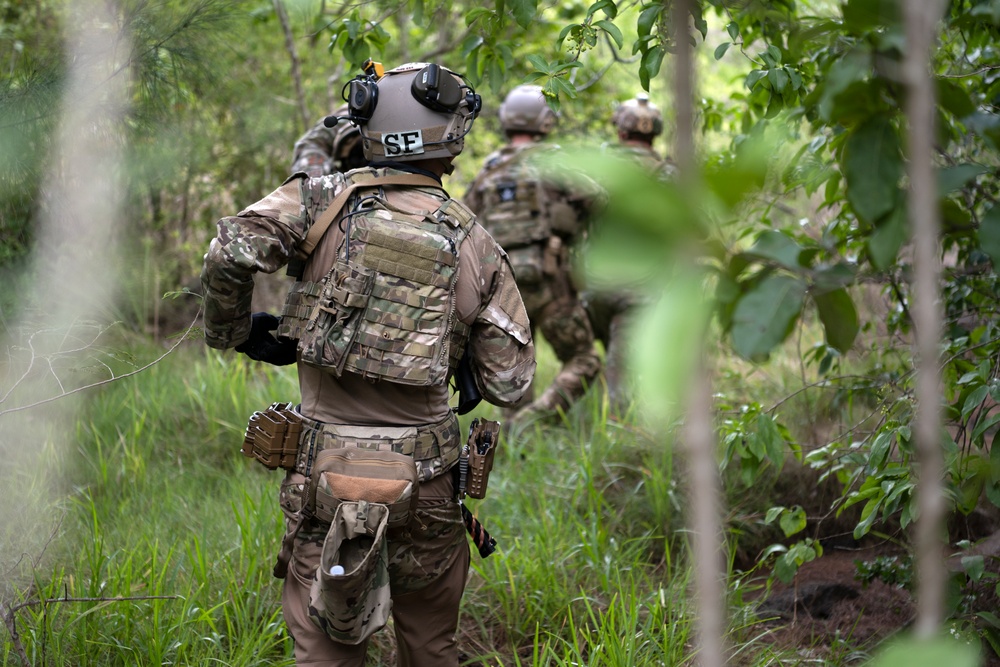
[954, 99]
[989, 234]
[956, 177]
[524, 11]
[721, 49]
[785, 568]
[890, 235]
[974, 566]
[778, 78]
[772, 514]
[945, 650]
[664, 372]
[753, 77]
[773, 445]
[733, 29]
[793, 521]
[872, 166]
[613, 30]
[974, 400]
[777, 246]
[765, 315]
[839, 317]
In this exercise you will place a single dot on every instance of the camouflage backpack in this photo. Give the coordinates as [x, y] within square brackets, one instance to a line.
[385, 309]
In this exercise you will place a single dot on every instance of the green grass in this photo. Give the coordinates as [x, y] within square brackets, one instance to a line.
[167, 536]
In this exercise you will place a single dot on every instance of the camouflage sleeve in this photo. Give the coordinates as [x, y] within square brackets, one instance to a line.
[313, 152]
[500, 341]
[262, 237]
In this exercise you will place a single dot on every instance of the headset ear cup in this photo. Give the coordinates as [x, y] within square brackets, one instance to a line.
[362, 98]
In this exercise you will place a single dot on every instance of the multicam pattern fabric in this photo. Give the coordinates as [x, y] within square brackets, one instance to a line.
[415, 556]
[264, 238]
[386, 310]
[434, 448]
[537, 220]
[352, 605]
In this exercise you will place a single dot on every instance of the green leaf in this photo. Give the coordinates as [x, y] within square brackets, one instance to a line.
[524, 11]
[989, 234]
[773, 444]
[778, 78]
[721, 49]
[613, 30]
[974, 566]
[885, 242]
[785, 568]
[793, 521]
[734, 30]
[974, 400]
[872, 166]
[953, 178]
[773, 514]
[764, 317]
[778, 247]
[839, 317]
[754, 76]
[647, 19]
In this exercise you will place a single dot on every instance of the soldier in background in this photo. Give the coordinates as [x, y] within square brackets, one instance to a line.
[537, 218]
[323, 150]
[390, 295]
[637, 122]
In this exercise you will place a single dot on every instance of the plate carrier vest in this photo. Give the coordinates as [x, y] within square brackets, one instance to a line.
[386, 308]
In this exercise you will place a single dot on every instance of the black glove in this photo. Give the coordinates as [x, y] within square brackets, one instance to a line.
[263, 346]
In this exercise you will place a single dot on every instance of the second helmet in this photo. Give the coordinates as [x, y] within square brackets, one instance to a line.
[526, 110]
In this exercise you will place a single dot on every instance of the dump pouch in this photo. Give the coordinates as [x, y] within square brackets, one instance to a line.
[272, 436]
[351, 601]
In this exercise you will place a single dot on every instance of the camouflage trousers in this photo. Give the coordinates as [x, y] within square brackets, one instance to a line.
[611, 314]
[555, 310]
[428, 568]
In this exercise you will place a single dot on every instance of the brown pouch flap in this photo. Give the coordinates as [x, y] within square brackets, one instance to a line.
[385, 491]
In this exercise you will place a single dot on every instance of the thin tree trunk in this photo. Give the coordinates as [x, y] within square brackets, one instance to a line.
[699, 433]
[921, 17]
[279, 9]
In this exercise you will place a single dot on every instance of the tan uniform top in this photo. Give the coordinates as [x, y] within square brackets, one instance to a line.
[264, 237]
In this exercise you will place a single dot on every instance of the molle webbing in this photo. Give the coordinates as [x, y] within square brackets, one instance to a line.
[332, 212]
[434, 447]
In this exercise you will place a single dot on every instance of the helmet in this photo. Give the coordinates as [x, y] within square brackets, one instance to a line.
[417, 111]
[525, 110]
[638, 116]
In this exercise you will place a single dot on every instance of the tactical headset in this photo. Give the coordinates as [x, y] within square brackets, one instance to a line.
[433, 87]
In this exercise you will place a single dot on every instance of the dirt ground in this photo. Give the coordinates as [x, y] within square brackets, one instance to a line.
[830, 617]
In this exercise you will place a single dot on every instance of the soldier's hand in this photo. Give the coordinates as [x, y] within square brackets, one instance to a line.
[262, 344]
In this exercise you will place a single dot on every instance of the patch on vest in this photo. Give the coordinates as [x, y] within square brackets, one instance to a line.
[507, 192]
[403, 143]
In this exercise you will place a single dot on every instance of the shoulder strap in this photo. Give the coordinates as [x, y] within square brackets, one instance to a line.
[319, 228]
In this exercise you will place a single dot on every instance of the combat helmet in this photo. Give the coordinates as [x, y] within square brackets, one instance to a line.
[526, 110]
[417, 111]
[638, 116]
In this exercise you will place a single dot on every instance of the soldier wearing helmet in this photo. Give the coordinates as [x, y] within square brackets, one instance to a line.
[537, 218]
[323, 150]
[637, 122]
[396, 283]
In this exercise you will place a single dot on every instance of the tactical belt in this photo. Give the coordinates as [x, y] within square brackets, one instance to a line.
[434, 447]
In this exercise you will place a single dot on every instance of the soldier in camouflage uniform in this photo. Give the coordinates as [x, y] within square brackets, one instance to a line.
[412, 317]
[537, 219]
[637, 123]
[323, 150]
